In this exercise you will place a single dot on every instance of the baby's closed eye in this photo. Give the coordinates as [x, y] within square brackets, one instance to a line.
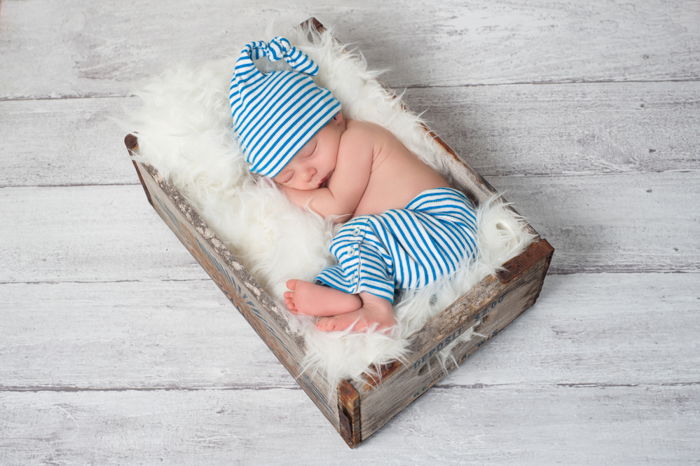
[308, 154]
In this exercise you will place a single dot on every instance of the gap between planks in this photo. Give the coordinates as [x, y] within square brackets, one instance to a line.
[494, 175]
[393, 87]
[254, 387]
[549, 272]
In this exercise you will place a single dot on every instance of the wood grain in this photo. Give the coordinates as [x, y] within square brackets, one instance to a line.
[86, 146]
[613, 223]
[106, 48]
[531, 424]
[567, 129]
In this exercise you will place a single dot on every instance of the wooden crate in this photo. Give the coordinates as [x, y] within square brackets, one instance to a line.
[357, 410]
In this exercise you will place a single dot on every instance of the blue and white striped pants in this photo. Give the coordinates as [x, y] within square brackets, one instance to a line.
[403, 248]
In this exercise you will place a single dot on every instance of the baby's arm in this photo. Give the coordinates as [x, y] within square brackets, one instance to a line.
[349, 181]
[352, 171]
[302, 198]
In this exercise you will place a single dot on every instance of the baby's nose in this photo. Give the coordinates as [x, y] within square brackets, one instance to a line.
[310, 172]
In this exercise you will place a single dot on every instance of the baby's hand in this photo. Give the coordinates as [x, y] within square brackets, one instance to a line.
[320, 201]
[298, 197]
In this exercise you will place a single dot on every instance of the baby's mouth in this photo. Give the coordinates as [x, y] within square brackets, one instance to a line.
[324, 181]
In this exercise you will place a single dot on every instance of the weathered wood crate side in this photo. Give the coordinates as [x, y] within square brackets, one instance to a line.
[487, 309]
[256, 306]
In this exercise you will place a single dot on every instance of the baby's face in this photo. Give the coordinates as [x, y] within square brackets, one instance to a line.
[313, 165]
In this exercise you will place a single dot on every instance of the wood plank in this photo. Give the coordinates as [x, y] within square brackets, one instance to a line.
[181, 333]
[103, 49]
[78, 144]
[567, 129]
[598, 329]
[495, 425]
[88, 233]
[613, 223]
[499, 130]
[108, 233]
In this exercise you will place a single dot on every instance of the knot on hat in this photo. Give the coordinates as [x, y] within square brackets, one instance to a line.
[275, 50]
[275, 114]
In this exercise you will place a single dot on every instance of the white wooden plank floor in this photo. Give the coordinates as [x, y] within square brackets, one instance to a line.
[116, 348]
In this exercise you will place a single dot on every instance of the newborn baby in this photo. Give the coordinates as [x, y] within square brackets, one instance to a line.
[403, 226]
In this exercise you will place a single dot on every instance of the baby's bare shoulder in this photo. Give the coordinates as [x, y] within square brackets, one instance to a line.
[366, 128]
[357, 134]
[365, 133]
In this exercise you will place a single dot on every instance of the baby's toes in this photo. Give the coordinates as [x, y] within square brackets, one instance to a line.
[289, 302]
[322, 324]
[327, 324]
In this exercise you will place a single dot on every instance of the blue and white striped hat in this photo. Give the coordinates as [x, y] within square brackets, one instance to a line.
[275, 114]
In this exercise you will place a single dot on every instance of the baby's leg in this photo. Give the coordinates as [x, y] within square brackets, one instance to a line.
[375, 312]
[317, 300]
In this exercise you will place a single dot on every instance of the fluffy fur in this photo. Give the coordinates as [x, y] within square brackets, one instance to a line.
[184, 130]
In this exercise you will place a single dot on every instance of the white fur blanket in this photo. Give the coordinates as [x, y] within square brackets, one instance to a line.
[184, 130]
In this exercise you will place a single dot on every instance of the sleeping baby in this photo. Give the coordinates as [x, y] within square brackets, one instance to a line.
[403, 226]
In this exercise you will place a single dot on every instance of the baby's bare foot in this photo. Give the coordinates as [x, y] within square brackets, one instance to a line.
[317, 300]
[373, 314]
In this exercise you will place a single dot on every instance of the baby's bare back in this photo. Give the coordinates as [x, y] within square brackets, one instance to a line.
[397, 174]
